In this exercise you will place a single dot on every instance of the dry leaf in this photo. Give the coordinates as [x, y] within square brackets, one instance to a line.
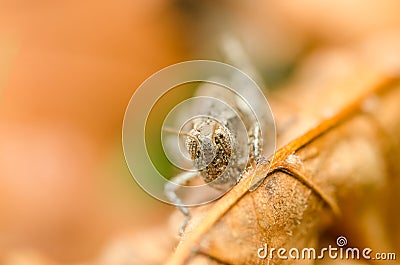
[334, 167]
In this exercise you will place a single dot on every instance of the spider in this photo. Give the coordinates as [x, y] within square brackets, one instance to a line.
[220, 145]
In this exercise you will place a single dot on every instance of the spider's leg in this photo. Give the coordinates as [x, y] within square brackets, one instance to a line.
[170, 191]
[256, 142]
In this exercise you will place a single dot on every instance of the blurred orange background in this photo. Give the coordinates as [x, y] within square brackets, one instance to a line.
[67, 72]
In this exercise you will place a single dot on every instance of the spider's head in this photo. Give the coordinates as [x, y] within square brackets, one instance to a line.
[209, 146]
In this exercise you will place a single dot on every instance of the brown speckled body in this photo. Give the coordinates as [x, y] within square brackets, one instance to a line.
[221, 150]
